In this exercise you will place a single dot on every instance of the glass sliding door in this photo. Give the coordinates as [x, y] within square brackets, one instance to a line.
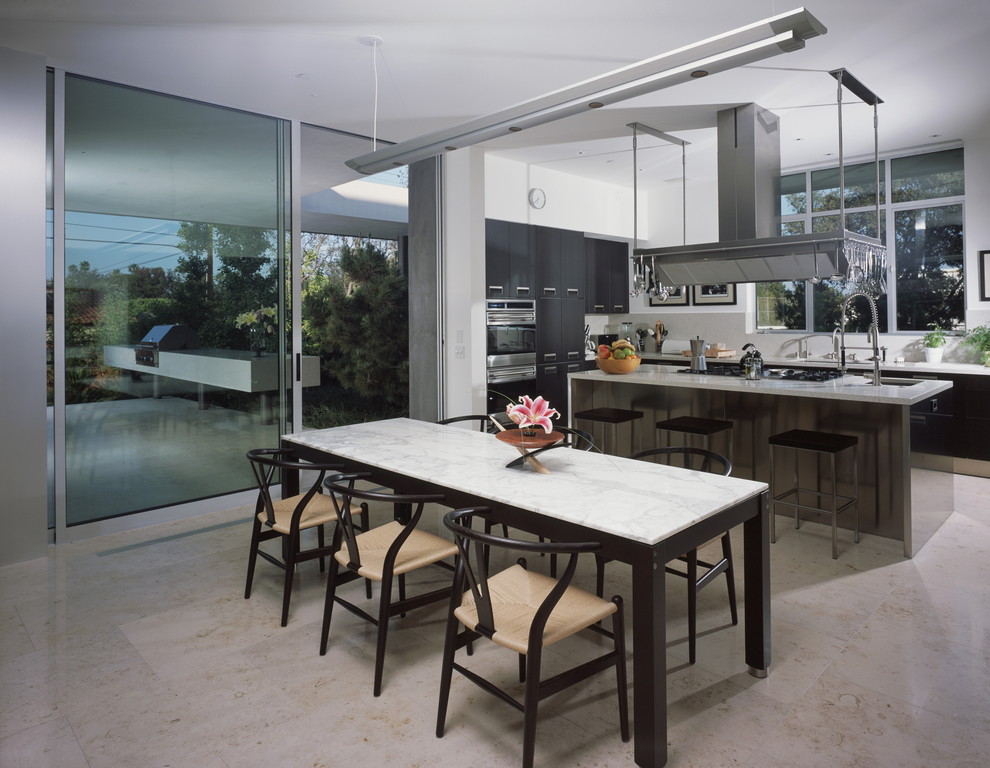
[353, 287]
[176, 232]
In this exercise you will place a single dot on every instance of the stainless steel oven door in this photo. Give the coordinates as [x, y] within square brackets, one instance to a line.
[511, 344]
[511, 373]
[511, 333]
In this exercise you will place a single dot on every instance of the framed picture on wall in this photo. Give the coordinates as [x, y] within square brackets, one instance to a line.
[724, 293]
[984, 275]
[678, 298]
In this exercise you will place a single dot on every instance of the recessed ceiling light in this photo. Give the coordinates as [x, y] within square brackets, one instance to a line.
[699, 73]
[596, 105]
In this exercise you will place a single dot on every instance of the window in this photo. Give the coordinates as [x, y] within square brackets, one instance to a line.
[924, 213]
[172, 217]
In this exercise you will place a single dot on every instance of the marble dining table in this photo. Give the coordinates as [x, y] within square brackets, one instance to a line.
[643, 514]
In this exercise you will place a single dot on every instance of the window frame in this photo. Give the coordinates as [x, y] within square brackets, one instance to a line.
[888, 212]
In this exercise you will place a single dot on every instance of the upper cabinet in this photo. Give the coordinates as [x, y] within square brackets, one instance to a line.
[560, 268]
[607, 289]
[510, 260]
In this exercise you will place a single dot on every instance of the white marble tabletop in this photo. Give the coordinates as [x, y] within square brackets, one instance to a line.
[851, 387]
[638, 500]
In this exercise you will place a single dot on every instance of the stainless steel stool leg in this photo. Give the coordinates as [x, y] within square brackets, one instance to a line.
[856, 488]
[773, 510]
[835, 512]
[797, 488]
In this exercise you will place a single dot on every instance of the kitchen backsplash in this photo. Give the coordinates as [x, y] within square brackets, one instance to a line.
[729, 328]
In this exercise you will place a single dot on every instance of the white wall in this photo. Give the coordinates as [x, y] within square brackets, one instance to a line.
[464, 282]
[23, 453]
[572, 202]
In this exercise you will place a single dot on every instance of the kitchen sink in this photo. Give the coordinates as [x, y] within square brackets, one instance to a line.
[893, 382]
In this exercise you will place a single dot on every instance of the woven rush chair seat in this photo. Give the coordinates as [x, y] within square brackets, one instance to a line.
[384, 554]
[288, 518]
[420, 549]
[524, 612]
[517, 595]
[319, 511]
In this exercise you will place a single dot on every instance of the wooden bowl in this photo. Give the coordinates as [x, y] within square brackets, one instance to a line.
[611, 365]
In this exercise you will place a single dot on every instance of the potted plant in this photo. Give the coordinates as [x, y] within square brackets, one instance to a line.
[933, 341]
[979, 339]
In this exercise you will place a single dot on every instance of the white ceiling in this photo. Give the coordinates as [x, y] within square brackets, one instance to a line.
[442, 62]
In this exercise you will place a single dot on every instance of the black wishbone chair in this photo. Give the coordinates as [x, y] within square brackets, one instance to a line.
[288, 518]
[705, 461]
[524, 612]
[383, 554]
[481, 420]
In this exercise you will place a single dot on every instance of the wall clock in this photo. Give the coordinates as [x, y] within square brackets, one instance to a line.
[537, 197]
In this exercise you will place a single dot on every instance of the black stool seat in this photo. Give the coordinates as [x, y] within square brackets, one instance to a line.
[806, 440]
[609, 415]
[613, 416]
[695, 425]
[829, 444]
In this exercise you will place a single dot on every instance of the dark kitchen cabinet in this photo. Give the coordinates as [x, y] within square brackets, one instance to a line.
[551, 384]
[607, 270]
[510, 260]
[560, 263]
[559, 330]
[976, 394]
[933, 424]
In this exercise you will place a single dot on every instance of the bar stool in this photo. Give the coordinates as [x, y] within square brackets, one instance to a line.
[696, 425]
[613, 416]
[828, 443]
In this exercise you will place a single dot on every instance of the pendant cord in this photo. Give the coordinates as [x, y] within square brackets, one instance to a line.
[374, 69]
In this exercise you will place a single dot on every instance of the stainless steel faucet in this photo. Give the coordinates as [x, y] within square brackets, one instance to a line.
[804, 343]
[873, 333]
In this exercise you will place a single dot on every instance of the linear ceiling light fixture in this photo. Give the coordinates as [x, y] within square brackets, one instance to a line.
[784, 33]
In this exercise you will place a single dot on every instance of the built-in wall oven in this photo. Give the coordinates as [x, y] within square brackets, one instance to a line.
[511, 350]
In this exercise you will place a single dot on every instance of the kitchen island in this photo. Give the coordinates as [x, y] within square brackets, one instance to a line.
[889, 488]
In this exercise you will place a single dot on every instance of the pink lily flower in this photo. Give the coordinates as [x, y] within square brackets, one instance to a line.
[531, 413]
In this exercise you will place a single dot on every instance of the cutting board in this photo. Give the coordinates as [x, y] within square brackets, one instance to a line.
[712, 353]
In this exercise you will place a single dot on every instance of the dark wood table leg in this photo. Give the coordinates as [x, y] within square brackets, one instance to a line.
[290, 477]
[756, 576]
[649, 659]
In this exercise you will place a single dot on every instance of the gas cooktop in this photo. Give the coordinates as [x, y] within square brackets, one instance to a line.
[786, 374]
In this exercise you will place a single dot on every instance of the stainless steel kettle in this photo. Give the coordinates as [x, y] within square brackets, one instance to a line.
[751, 363]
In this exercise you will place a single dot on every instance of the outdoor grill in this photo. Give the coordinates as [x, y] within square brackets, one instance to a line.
[164, 338]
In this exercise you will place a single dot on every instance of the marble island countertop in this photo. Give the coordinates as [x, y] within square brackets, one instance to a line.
[850, 387]
[823, 362]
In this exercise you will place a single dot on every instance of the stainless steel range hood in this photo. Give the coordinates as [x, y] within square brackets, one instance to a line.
[749, 247]
[824, 255]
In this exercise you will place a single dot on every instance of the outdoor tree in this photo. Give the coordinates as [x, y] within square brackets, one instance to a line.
[225, 270]
[356, 317]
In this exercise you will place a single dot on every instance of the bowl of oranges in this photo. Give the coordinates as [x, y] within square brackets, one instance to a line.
[621, 357]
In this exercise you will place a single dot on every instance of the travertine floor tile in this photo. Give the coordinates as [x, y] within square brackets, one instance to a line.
[138, 649]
